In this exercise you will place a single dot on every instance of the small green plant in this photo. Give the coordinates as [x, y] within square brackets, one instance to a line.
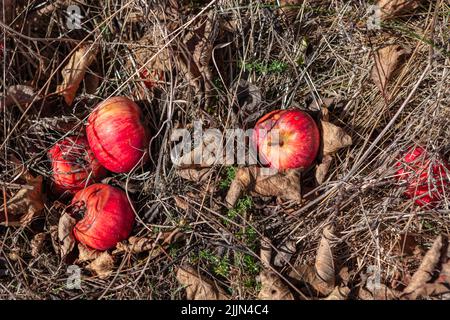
[275, 66]
[230, 173]
[221, 266]
[240, 208]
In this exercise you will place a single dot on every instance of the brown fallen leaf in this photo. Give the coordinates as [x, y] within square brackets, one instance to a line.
[339, 293]
[195, 175]
[378, 292]
[265, 183]
[334, 138]
[37, 243]
[323, 168]
[74, 71]
[419, 283]
[273, 288]
[324, 264]
[393, 8]
[103, 265]
[290, 8]
[87, 254]
[387, 62]
[285, 252]
[26, 205]
[199, 287]
[65, 234]
[143, 244]
[265, 252]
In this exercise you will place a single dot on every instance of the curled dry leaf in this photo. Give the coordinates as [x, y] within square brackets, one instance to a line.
[378, 292]
[87, 254]
[393, 8]
[266, 252]
[37, 243]
[419, 284]
[324, 264]
[195, 175]
[103, 265]
[387, 62]
[199, 287]
[323, 168]
[334, 138]
[284, 254]
[273, 288]
[74, 71]
[143, 244]
[339, 293]
[25, 205]
[266, 183]
[65, 234]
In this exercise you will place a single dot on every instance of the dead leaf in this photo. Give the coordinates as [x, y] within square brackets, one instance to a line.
[266, 252]
[37, 243]
[73, 73]
[339, 293]
[195, 175]
[387, 62]
[143, 244]
[334, 138]
[265, 182]
[418, 284]
[26, 205]
[65, 234]
[324, 264]
[284, 254]
[378, 292]
[290, 8]
[323, 168]
[198, 287]
[103, 265]
[87, 254]
[393, 8]
[273, 288]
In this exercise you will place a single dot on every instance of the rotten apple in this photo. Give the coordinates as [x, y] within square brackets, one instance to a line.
[427, 179]
[117, 135]
[287, 139]
[74, 165]
[108, 216]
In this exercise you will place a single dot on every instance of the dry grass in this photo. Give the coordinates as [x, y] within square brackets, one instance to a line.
[359, 193]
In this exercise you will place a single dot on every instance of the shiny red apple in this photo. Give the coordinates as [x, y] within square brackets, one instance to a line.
[427, 179]
[287, 139]
[74, 165]
[117, 134]
[108, 216]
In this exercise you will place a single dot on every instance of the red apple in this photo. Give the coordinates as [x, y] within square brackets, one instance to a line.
[74, 165]
[108, 216]
[117, 135]
[287, 139]
[427, 179]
